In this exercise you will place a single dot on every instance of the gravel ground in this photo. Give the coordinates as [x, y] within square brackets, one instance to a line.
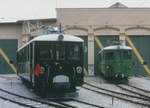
[140, 82]
[7, 104]
[13, 84]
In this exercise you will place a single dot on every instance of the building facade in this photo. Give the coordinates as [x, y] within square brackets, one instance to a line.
[100, 27]
[13, 35]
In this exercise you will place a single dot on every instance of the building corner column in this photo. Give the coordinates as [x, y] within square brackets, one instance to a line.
[122, 39]
[90, 52]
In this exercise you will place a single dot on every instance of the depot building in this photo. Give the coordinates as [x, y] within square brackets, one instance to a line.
[98, 27]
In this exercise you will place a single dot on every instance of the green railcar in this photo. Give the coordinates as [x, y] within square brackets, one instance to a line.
[116, 62]
[52, 64]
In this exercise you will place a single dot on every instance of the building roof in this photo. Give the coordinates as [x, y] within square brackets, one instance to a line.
[11, 20]
[118, 5]
[3, 20]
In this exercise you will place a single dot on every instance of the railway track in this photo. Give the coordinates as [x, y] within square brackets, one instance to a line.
[82, 104]
[87, 103]
[135, 90]
[46, 102]
[143, 90]
[31, 102]
[36, 103]
[122, 96]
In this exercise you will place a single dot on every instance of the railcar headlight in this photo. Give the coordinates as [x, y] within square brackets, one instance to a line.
[116, 75]
[60, 37]
[60, 67]
[79, 69]
[107, 67]
[122, 75]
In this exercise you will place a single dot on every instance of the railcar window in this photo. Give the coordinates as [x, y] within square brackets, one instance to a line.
[60, 52]
[46, 52]
[24, 55]
[73, 52]
[31, 52]
[118, 55]
[127, 55]
[109, 56]
[19, 56]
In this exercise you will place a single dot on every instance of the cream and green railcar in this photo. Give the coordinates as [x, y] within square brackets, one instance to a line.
[116, 62]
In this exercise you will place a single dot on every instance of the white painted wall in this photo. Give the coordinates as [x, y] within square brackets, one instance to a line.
[98, 17]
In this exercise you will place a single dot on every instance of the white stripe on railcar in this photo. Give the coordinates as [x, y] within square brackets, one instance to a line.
[53, 37]
[115, 47]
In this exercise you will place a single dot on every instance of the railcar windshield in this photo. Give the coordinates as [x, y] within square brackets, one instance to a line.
[109, 56]
[60, 51]
[73, 52]
[46, 52]
[127, 54]
[118, 55]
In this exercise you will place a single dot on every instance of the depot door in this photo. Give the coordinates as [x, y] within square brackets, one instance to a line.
[8, 48]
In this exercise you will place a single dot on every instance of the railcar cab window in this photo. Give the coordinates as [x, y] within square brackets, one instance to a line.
[60, 52]
[109, 56]
[127, 54]
[46, 52]
[73, 52]
[118, 55]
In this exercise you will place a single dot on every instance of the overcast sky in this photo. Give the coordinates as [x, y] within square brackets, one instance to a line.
[101, 3]
[26, 9]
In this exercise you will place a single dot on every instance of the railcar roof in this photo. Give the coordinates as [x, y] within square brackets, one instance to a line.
[53, 37]
[117, 47]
